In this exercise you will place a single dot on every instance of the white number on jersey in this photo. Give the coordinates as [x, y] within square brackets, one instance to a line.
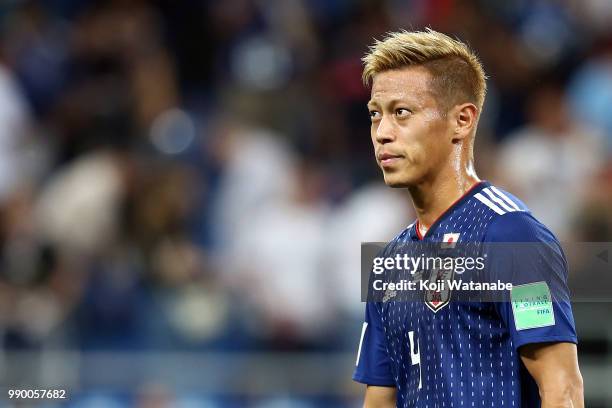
[415, 356]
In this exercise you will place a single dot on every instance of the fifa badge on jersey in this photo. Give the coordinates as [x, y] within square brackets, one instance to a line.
[450, 240]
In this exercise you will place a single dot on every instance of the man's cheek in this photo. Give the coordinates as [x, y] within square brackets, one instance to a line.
[415, 154]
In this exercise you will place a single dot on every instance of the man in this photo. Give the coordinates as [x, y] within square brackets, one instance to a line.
[426, 97]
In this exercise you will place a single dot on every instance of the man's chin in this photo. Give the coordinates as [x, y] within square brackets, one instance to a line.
[394, 181]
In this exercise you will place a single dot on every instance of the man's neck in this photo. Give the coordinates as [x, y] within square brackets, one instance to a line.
[431, 199]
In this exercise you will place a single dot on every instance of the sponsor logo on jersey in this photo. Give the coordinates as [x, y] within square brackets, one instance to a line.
[389, 294]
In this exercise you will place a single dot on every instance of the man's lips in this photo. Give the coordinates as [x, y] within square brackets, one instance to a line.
[387, 159]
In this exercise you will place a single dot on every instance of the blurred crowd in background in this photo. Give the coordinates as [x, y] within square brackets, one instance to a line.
[198, 175]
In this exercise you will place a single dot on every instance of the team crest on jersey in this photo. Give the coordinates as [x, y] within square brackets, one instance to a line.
[439, 297]
[450, 240]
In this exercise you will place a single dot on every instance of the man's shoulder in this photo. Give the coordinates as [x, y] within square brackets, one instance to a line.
[511, 220]
[518, 227]
[499, 201]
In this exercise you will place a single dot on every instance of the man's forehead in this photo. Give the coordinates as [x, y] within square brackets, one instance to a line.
[407, 82]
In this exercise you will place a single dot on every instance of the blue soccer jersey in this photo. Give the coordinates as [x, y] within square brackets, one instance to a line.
[465, 354]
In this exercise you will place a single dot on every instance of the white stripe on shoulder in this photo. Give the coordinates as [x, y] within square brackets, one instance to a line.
[489, 203]
[505, 198]
[498, 200]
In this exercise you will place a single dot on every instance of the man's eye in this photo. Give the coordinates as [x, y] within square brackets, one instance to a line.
[402, 112]
[374, 115]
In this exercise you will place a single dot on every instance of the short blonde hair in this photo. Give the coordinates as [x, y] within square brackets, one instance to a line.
[458, 76]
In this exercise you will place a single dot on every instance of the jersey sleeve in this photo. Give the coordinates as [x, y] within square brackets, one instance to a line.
[373, 366]
[525, 253]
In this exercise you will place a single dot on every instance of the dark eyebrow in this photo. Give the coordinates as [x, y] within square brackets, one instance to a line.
[392, 102]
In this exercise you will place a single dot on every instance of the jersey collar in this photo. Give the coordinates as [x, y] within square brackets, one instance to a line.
[476, 188]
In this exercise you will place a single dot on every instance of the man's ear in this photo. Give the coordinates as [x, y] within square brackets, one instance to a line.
[464, 119]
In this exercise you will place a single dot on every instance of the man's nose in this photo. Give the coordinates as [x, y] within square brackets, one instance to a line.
[385, 131]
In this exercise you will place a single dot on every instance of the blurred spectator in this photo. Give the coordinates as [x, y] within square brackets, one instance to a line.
[16, 137]
[354, 222]
[590, 93]
[257, 172]
[78, 210]
[278, 259]
[547, 162]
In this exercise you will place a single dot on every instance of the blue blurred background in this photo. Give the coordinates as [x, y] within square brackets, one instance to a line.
[184, 186]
